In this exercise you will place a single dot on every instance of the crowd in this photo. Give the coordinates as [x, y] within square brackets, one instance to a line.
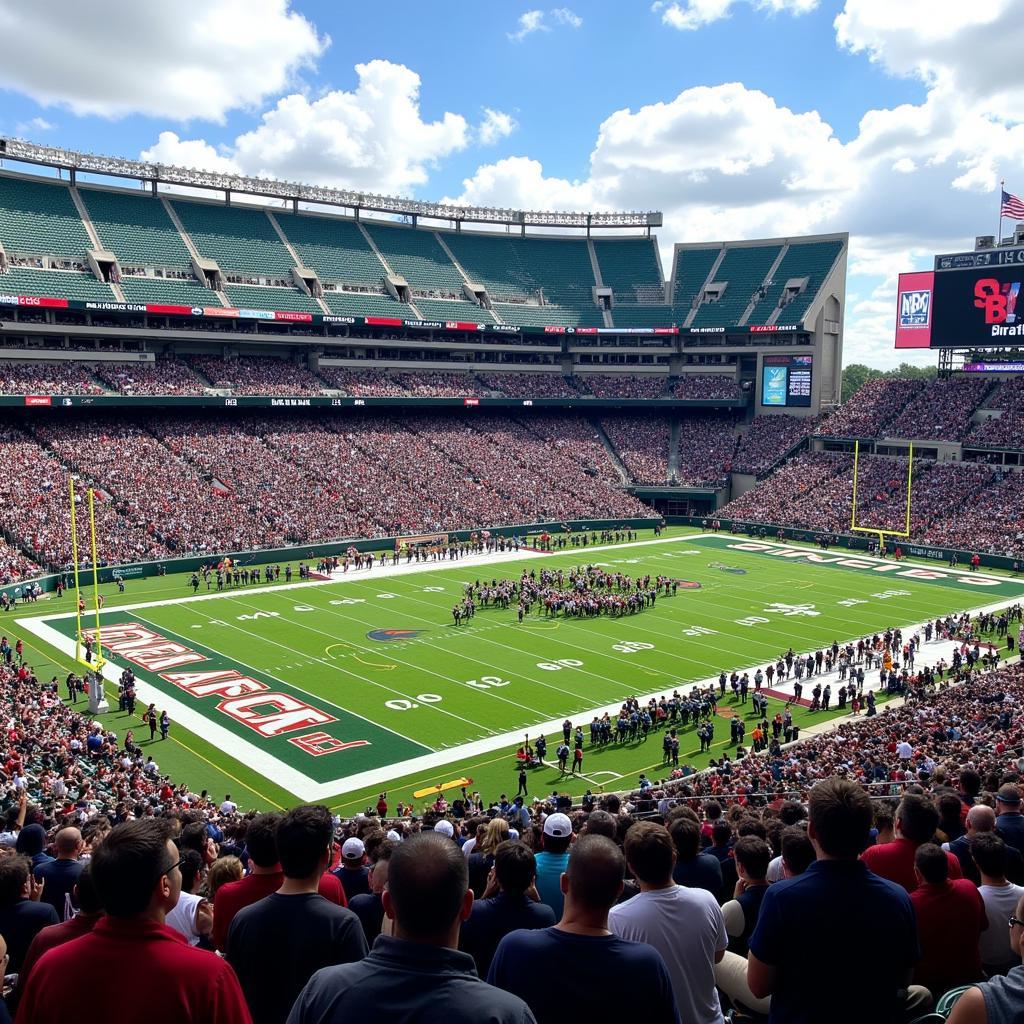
[642, 443]
[942, 411]
[904, 826]
[875, 405]
[623, 385]
[1008, 428]
[252, 375]
[767, 439]
[706, 447]
[47, 379]
[529, 385]
[161, 377]
[706, 386]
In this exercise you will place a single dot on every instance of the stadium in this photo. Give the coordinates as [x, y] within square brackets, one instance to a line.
[459, 519]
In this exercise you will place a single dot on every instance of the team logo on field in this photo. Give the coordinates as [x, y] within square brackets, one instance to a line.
[734, 569]
[394, 634]
[689, 584]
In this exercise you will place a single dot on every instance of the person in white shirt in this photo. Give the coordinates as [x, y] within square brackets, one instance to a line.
[228, 806]
[904, 750]
[192, 916]
[1000, 897]
[654, 916]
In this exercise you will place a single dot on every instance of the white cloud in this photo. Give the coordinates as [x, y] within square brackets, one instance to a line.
[536, 21]
[529, 22]
[496, 125]
[173, 61]
[373, 138]
[193, 153]
[564, 16]
[694, 14]
[35, 125]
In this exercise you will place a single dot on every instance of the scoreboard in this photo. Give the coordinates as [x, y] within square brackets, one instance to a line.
[786, 380]
[969, 300]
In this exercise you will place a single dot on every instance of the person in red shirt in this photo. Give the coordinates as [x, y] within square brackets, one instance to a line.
[950, 919]
[136, 873]
[916, 822]
[87, 900]
[266, 877]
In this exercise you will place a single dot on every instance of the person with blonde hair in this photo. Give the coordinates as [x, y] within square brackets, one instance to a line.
[222, 870]
[481, 860]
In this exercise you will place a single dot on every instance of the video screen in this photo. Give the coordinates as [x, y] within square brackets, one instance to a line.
[786, 381]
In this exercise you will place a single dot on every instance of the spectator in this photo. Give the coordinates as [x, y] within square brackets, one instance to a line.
[950, 921]
[800, 976]
[135, 869]
[694, 869]
[552, 860]
[192, 916]
[752, 856]
[653, 917]
[417, 973]
[266, 877]
[1009, 820]
[981, 821]
[87, 900]
[991, 856]
[61, 875]
[509, 901]
[582, 947]
[369, 907]
[22, 914]
[998, 1000]
[353, 873]
[916, 822]
[306, 932]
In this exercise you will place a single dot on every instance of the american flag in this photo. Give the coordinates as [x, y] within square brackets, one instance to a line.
[1012, 206]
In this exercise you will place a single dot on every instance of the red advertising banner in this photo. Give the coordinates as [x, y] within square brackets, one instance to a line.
[38, 400]
[300, 318]
[170, 310]
[383, 321]
[914, 309]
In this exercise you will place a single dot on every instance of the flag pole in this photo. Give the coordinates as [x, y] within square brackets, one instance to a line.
[1002, 190]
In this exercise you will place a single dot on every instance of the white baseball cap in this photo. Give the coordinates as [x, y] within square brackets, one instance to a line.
[352, 848]
[394, 836]
[445, 827]
[558, 826]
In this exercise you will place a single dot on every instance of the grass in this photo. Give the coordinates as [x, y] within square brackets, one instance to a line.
[472, 690]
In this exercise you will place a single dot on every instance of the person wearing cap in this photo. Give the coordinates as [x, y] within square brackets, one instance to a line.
[369, 907]
[579, 969]
[508, 902]
[353, 872]
[135, 870]
[1009, 820]
[1000, 999]
[654, 915]
[553, 859]
[416, 973]
[266, 877]
[308, 931]
[445, 828]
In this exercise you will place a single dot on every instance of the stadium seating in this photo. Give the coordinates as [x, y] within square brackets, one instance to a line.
[942, 411]
[260, 297]
[137, 229]
[869, 412]
[630, 267]
[523, 314]
[623, 385]
[450, 309]
[252, 375]
[530, 385]
[163, 377]
[642, 443]
[47, 379]
[335, 248]
[241, 240]
[67, 284]
[706, 447]
[367, 304]
[768, 439]
[168, 290]
[743, 269]
[692, 269]
[40, 219]
[812, 260]
[706, 386]
[418, 257]
[633, 315]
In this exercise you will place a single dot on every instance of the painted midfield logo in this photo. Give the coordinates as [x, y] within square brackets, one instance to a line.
[734, 569]
[792, 609]
[394, 634]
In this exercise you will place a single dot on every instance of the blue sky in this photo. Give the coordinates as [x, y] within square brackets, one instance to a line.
[737, 118]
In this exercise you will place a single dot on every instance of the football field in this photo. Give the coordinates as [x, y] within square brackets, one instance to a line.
[335, 690]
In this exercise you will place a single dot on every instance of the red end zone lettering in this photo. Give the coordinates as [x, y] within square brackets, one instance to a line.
[287, 715]
[320, 743]
[226, 683]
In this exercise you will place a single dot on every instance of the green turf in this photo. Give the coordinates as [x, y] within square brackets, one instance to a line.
[449, 686]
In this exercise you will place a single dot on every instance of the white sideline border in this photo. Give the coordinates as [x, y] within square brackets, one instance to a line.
[307, 789]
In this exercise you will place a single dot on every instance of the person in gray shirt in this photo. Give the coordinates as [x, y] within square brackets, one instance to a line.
[418, 973]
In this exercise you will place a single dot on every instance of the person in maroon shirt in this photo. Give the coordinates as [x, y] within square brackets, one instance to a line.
[136, 873]
[89, 912]
[916, 822]
[950, 919]
[266, 877]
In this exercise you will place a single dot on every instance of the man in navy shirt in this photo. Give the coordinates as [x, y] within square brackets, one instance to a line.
[61, 875]
[694, 869]
[581, 948]
[417, 973]
[508, 903]
[838, 896]
[1010, 822]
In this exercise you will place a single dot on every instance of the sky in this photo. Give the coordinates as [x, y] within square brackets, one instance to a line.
[891, 119]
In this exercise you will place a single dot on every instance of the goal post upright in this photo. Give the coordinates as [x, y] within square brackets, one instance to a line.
[882, 533]
[74, 564]
[95, 579]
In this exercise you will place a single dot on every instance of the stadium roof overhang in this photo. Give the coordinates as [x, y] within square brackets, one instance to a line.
[73, 161]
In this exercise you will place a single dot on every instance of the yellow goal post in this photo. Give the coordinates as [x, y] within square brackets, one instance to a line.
[881, 534]
[97, 662]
